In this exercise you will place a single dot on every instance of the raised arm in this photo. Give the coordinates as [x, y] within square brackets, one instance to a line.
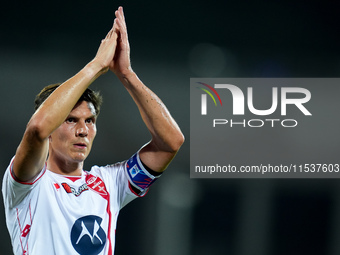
[32, 151]
[167, 137]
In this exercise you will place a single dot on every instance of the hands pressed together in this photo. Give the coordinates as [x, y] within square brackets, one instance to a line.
[114, 50]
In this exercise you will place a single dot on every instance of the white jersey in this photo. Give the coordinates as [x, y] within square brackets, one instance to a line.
[57, 214]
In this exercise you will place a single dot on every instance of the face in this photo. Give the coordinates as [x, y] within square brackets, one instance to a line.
[71, 142]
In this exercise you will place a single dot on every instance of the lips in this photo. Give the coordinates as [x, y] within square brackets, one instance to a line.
[80, 145]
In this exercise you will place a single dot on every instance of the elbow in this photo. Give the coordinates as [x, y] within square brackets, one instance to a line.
[181, 140]
[176, 142]
[171, 143]
[35, 130]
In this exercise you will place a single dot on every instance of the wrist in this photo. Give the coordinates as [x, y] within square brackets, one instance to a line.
[126, 73]
[94, 69]
[127, 77]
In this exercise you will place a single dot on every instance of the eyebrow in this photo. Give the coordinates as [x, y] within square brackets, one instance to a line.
[92, 116]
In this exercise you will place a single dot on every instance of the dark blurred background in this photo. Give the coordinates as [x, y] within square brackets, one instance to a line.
[44, 42]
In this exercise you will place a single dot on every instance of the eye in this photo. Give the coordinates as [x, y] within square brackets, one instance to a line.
[90, 120]
[70, 120]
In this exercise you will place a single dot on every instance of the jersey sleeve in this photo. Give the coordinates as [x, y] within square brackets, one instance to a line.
[126, 180]
[139, 177]
[13, 190]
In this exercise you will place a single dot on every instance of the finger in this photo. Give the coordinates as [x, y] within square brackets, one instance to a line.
[121, 11]
[112, 33]
[109, 34]
[121, 23]
[113, 29]
[120, 16]
[122, 31]
[115, 26]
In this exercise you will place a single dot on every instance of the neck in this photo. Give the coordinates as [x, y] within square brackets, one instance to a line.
[64, 167]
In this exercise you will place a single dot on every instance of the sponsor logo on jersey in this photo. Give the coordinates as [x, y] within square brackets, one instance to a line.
[87, 235]
[26, 230]
[96, 184]
[91, 179]
[72, 190]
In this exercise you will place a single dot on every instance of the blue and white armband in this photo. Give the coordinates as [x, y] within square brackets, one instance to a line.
[138, 176]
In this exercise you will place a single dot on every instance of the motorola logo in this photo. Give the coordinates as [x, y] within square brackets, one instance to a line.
[87, 235]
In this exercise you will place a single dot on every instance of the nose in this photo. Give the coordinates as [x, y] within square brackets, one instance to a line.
[82, 130]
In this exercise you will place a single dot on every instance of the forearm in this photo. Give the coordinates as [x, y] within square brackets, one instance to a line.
[166, 135]
[58, 105]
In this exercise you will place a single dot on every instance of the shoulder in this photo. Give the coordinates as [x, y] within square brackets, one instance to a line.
[109, 169]
[111, 173]
[10, 178]
[15, 191]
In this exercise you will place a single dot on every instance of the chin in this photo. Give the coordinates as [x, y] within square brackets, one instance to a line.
[79, 158]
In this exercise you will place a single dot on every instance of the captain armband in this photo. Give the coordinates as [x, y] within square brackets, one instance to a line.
[138, 176]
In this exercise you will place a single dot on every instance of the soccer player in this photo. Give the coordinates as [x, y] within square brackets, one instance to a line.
[52, 205]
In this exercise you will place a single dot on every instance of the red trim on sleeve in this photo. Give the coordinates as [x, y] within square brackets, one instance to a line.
[25, 183]
[135, 192]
